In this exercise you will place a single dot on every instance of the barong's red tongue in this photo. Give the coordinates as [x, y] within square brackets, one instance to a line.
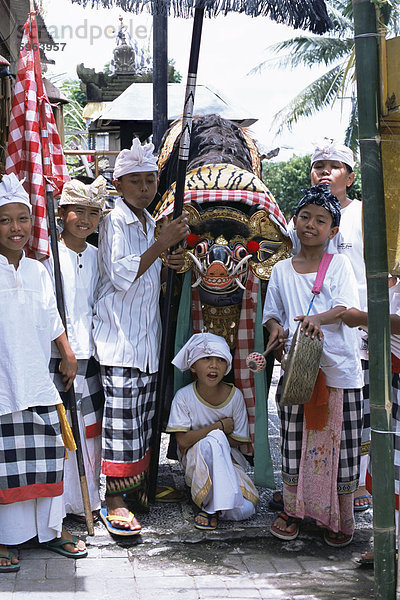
[316, 410]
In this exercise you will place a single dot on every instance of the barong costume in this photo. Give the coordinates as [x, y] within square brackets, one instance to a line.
[31, 445]
[127, 333]
[80, 276]
[215, 472]
[320, 469]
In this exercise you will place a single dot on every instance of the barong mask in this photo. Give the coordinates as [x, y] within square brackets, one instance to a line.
[329, 149]
[75, 192]
[320, 195]
[139, 159]
[199, 346]
[12, 190]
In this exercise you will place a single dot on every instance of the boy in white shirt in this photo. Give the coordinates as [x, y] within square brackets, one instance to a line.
[127, 329]
[319, 466]
[79, 209]
[31, 444]
[209, 420]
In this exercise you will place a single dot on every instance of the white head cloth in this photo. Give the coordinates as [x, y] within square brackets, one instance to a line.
[12, 190]
[139, 159]
[199, 346]
[76, 192]
[328, 149]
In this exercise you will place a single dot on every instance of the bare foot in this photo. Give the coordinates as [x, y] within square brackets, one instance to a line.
[117, 506]
[4, 562]
[71, 547]
[286, 526]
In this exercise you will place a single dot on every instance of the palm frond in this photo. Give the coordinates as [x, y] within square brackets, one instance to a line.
[315, 96]
[351, 135]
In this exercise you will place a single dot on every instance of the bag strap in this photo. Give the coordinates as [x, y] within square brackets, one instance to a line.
[319, 280]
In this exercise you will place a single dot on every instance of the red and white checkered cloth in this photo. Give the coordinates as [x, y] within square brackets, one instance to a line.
[244, 378]
[34, 147]
[244, 196]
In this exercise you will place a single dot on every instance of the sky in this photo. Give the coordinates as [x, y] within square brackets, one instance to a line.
[231, 46]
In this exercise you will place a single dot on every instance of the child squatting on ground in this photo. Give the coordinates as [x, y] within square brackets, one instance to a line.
[320, 466]
[127, 330]
[209, 420]
[32, 449]
[80, 208]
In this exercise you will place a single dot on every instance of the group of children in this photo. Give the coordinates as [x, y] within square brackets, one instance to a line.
[111, 358]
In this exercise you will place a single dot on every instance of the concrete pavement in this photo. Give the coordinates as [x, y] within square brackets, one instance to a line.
[171, 560]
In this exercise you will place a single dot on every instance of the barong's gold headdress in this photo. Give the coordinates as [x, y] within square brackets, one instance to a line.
[76, 192]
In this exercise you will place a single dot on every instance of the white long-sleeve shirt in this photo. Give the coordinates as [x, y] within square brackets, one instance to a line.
[29, 321]
[127, 323]
[80, 276]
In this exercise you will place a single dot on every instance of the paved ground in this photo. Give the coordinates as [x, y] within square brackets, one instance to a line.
[172, 560]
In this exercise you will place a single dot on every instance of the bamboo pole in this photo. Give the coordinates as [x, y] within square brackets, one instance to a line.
[367, 73]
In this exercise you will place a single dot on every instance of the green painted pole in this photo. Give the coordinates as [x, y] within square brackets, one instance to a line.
[367, 73]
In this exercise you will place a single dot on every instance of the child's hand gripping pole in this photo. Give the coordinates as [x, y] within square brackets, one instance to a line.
[256, 362]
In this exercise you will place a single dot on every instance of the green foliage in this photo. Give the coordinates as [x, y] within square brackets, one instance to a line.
[173, 75]
[286, 179]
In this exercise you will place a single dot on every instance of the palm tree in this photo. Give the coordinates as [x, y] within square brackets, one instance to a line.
[335, 50]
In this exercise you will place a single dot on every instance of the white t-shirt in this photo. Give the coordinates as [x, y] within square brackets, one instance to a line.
[394, 303]
[190, 411]
[29, 321]
[80, 276]
[127, 321]
[289, 295]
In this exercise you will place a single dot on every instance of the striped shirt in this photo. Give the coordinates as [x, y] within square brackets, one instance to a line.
[127, 324]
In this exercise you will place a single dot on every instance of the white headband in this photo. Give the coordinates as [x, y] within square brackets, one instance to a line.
[199, 346]
[12, 190]
[328, 149]
[139, 159]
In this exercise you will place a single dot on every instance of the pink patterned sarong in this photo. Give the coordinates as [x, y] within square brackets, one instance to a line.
[316, 493]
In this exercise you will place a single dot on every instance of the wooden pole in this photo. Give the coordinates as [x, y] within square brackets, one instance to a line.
[166, 342]
[367, 72]
[160, 74]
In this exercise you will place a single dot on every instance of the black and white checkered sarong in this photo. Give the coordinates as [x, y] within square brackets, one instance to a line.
[291, 420]
[366, 431]
[128, 413]
[396, 429]
[31, 454]
[89, 393]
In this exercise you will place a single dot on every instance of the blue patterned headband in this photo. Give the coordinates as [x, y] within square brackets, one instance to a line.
[320, 195]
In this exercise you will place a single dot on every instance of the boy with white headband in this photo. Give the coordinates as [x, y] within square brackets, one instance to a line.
[333, 163]
[79, 209]
[209, 420]
[32, 449]
[127, 330]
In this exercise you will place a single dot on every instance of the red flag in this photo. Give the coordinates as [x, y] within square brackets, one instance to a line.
[34, 147]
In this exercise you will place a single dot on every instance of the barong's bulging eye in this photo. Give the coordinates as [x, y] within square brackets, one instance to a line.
[201, 248]
[240, 252]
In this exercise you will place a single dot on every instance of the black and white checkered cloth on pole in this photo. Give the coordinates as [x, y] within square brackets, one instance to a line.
[128, 413]
[291, 418]
[396, 429]
[31, 454]
[89, 393]
[366, 432]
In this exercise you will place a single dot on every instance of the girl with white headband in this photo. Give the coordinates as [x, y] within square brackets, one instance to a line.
[79, 209]
[32, 449]
[209, 420]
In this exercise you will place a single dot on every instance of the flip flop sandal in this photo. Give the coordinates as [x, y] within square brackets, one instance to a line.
[207, 516]
[106, 518]
[276, 502]
[81, 519]
[337, 540]
[167, 493]
[285, 535]
[362, 507]
[57, 546]
[365, 561]
[10, 568]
